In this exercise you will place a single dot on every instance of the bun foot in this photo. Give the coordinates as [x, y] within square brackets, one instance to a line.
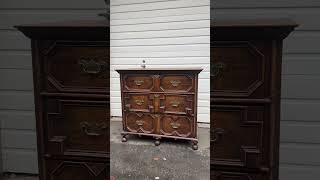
[124, 139]
[157, 142]
[194, 145]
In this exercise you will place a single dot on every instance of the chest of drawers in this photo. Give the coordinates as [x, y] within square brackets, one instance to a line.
[71, 89]
[161, 103]
[245, 98]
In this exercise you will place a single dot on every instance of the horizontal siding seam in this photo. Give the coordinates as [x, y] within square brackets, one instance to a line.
[114, 5]
[194, 20]
[147, 10]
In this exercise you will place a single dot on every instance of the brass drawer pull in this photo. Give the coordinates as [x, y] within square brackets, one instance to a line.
[95, 129]
[91, 66]
[138, 82]
[139, 102]
[140, 122]
[175, 104]
[217, 68]
[175, 125]
[217, 133]
[175, 83]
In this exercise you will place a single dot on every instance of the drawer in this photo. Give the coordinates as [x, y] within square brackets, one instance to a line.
[182, 126]
[77, 67]
[138, 82]
[66, 170]
[137, 102]
[225, 175]
[238, 69]
[177, 83]
[140, 122]
[77, 127]
[237, 136]
[177, 104]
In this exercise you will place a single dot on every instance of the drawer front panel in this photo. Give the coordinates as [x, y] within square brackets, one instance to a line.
[140, 122]
[177, 83]
[177, 104]
[77, 68]
[76, 127]
[237, 136]
[66, 170]
[222, 175]
[138, 102]
[182, 126]
[237, 70]
[141, 82]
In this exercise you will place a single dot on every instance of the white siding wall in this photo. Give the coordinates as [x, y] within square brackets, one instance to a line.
[300, 120]
[165, 33]
[17, 121]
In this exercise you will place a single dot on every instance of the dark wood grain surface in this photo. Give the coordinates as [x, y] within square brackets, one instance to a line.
[160, 102]
[245, 90]
[71, 62]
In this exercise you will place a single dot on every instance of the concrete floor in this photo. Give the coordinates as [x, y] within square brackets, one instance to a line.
[140, 159]
[19, 177]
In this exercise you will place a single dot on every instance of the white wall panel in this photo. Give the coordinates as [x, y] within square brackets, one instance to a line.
[165, 33]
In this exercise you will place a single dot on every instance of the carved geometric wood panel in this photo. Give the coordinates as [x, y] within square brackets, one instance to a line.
[140, 122]
[140, 82]
[66, 170]
[181, 126]
[81, 68]
[177, 104]
[237, 69]
[238, 135]
[75, 127]
[176, 83]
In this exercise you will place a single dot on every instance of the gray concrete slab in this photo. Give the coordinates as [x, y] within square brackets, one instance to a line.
[18, 177]
[140, 159]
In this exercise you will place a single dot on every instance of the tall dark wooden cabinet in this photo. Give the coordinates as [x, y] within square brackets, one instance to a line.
[245, 98]
[71, 89]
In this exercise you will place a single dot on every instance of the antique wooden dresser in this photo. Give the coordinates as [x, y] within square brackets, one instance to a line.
[71, 88]
[245, 98]
[161, 103]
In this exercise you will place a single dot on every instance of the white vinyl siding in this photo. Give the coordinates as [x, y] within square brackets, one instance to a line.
[300, 122]
[18, 149]
[165, 33]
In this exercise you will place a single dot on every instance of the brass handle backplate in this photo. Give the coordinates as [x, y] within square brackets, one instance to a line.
[138, 82]
[139, 102]
[217, 68]
[94, 129]
[175, 104]
[91, 66]
[175, 125]
[140, 122]
[175, 83]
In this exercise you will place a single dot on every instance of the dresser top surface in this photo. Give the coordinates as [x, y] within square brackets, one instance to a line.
[150, 70]
[69, 24]
[250, 29]
[97, 30]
